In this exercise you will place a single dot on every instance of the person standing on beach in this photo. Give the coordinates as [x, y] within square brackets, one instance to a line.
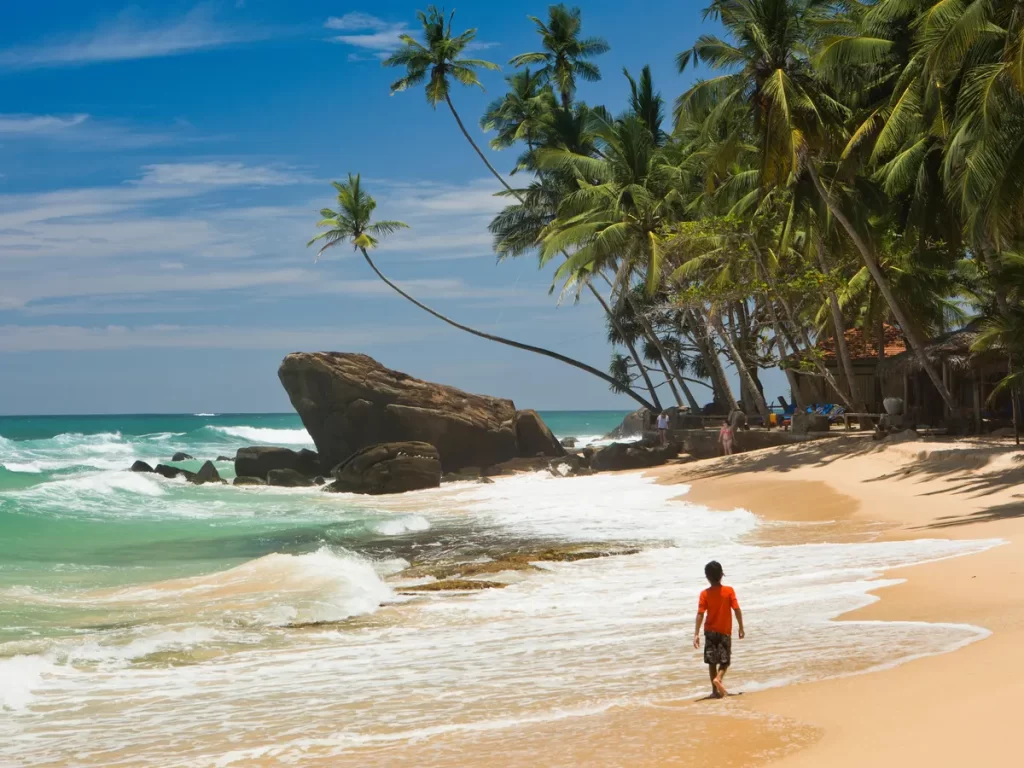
[663, 427]
[717, 603]
[726, 437]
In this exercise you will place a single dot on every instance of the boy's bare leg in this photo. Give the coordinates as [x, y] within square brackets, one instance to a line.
[717, 680]
[713, 674]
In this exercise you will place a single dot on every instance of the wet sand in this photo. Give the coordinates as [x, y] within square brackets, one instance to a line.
[956, 708]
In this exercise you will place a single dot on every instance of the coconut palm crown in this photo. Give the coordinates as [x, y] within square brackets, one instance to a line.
[352, 222]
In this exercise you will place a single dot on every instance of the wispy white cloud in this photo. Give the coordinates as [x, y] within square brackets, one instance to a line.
[220, 174]
[355, 21]
[54, 338]
[130, 36]
[35, 125]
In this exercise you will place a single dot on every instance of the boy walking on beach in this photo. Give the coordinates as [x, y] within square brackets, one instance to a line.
[717, 602]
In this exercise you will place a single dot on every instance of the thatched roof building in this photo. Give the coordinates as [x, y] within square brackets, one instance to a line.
[953, 349]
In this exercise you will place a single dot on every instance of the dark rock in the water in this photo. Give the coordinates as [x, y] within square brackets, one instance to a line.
[569, 442]
[485, 481]
[258, 461]
[141, 466]
[206, 474]
[243, 480]
[570, 465]
[533, 436]
[631, 426]
[454, 585]
[224, 458]
[319, 480]
[632, 456]
[288, 478]
[388, 468]
[466, 473]
[516, 466]
[348, 402]
[182, 456]
[172, 472]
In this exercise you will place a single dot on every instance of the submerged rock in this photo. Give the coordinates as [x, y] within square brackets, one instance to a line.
[141, 466]
[619, 456]
[569, 442]
[206, 474]
[172, 472]
[388, 468]
[570, 465]
[454, 585]
[260, 460]
[243, 480]
[224, 458]
[288, 478]
[349, 402]
[182, 456]
[533, 436]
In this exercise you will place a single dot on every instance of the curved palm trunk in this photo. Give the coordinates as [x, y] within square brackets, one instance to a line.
[706, 345]
[876, 273]
[507, 342]
[839, 325]
[741, 368]
[472, 143]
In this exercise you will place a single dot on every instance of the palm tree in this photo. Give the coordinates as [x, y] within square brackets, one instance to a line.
[524, 113]
[794, 116]
[353, 223]
[565, 54]
[437, 59]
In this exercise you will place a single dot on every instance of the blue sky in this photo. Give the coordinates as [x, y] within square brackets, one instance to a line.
[161, 166]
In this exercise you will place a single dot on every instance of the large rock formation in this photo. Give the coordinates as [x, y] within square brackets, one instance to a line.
[631, 426]
[348, 402]
[389, 468]
[206, 474]
[632, 456]
[259, 460]
[533, 436]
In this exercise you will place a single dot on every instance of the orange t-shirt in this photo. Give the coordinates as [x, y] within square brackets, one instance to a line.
[717, 603]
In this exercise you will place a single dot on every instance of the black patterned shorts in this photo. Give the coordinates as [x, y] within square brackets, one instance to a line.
[717, 648]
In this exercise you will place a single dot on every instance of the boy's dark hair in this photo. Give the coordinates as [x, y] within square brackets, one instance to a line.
[714, 572]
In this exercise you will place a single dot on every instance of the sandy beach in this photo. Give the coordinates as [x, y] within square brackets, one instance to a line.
[941, 710]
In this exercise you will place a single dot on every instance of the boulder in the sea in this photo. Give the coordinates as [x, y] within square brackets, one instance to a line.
[181, 456]
[569, 442]
[388, 468]
[619, 456]
[516, 466]
[533, 436]
[141, 466]
[319, 480]
[464, 474]
[570, 465]
[172, 472]
[259, 460]
[288, 478]
[243, 480]
[631, 426]
[348, 402]
[206, 474]
[224, 458]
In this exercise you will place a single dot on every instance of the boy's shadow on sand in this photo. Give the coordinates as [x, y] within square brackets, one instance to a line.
[709, 697]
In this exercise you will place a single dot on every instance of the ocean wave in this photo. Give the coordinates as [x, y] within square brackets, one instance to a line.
[204, 414]
[266, 435]
[22, 675]
[399, 525]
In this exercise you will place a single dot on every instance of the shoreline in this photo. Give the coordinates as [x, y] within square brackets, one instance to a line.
[915, 710]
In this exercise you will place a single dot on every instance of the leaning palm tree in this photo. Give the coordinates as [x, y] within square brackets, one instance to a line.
[437, 59]
[524, 113]
[353, 223]
[565, 54]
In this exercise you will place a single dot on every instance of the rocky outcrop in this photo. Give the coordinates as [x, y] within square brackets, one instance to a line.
[533, 437]
[206, 474]
[631, 426]
[181, 456]
[569, 442]
[288, 478]
[141, 466]
[570, 465]
[224, 458]
[388, 468]
[259, 461]
[172, 472]
[242, 480]
[632, 456]
[348, 402]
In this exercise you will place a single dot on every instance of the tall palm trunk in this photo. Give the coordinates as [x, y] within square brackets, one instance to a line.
[708, 352]
[839, 325]
[655, 340]
[472, 143]
[500, 340]
[876, 273]
[741, 368]
[629, 345]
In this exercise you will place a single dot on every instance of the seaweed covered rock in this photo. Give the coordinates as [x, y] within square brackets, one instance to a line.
[388, 468]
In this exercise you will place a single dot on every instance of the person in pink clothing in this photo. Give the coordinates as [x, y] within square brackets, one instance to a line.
[725, 437]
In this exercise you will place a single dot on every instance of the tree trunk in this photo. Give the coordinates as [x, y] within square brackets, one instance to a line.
[654, 339]
[839, 325]
[507, 342]
[741, 369]
[706, 345]
[472, 143]
[629, 345]
[876, 273]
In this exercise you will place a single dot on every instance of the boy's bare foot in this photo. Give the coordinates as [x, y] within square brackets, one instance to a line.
[720, 689]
